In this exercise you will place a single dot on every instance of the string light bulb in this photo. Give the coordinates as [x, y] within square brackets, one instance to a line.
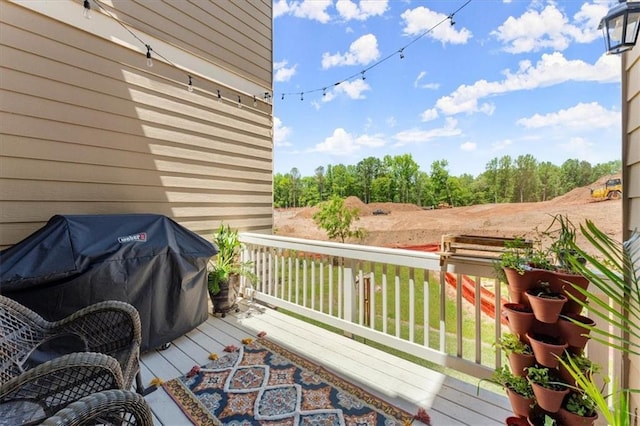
[401, 53]
[363, 77]
[190, 85]
[219, 96]
[239, 102]
[302, 96]
[87, 9]
[255, 102]
[451, 21]
[282, 97]
[149, 60]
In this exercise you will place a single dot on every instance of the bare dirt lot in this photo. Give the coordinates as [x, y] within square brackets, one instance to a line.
[408, 224]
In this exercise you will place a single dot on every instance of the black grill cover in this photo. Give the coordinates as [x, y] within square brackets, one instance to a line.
[147, 260]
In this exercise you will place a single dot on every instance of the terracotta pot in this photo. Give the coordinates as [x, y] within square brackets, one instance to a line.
[523, 282]
[561, 282]
[545, 308]
[516, 421]
[567, 418]
[519, 316]
[547, 349]
[549, 399]
[518, 363]
[520, 405]
[575, 335]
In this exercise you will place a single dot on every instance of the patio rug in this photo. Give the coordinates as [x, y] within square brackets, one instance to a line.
[262, 383]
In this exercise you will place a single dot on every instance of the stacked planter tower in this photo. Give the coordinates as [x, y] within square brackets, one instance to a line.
[540, 313]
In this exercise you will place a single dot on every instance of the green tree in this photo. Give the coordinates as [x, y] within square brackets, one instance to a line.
[526, 178]
[368, 169]
[491, 173]
[549, 175]
[320, 181]
[505, 179]
[337, 219]
[440, 181]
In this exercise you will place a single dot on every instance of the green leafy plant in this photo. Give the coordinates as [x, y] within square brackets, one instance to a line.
[581, 404]
[511, 343]
[545, 377]
[337, 220]
[505, 378]
[615, 272]
[521, 256]
[227, 262]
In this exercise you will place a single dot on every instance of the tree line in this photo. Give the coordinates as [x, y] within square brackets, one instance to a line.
[399, 179]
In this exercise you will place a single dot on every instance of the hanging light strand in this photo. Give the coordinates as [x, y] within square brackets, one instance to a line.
[150, 53]
[400, 52]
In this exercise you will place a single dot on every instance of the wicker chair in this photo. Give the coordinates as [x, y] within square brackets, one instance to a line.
[45, 366]
[118, 407]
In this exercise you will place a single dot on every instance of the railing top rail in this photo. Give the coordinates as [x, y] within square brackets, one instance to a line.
[350, 251]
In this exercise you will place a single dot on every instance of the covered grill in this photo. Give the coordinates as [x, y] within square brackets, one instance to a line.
[147, 260]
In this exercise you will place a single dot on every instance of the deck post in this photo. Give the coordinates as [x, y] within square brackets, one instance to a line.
[348, 291]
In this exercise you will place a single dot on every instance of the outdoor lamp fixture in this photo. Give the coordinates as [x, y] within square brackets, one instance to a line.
[620, 26]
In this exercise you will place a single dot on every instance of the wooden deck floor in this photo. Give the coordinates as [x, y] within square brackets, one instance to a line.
[448, 401]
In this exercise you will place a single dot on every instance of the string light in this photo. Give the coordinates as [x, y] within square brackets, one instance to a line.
[149, 60]
[87, 9]
[399, 51]
[219, 94]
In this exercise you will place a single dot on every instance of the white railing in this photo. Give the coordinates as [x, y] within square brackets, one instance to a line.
[415, 302]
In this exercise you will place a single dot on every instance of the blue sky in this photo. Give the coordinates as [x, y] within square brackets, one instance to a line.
[508, 78]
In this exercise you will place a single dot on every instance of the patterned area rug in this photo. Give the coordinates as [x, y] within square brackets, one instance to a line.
[265, 384]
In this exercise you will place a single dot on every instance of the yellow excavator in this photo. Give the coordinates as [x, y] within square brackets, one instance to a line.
[612, 190]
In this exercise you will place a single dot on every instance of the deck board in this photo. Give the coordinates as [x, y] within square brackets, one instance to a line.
[449, 401]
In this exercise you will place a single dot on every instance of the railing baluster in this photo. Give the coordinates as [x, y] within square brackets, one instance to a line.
[397, 303]
[478, 320]
[412, 306]
[385, 308]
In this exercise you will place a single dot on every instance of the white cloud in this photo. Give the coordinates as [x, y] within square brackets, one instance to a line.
[421, 19]
[468, 146]
[550, 70]
[348, 9]
[309, 9]
[582, 116]
[353, 89]
[392, 122]
[549, 28]
[280, 133]
[344, 143]
[419, 136]
[418, 84]
[282, 72]
[429, 115]
[361, 52]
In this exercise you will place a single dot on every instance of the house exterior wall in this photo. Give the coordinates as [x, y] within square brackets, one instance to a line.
[631, 175]
[86, 127]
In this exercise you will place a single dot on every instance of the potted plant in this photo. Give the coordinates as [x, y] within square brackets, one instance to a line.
[518, 388]
[575, 330]
[581, 362]
[548, 390]
[521, 266]
[578, 410]
[519, 354]
[547, 349]
[225, 270]
[519, 317]
[546, 304]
